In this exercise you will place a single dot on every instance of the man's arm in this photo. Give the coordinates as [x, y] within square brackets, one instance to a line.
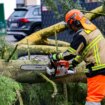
[77, 46]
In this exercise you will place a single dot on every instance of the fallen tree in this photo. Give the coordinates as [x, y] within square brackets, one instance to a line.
[39, 49]
[40, 37]
[12, 68]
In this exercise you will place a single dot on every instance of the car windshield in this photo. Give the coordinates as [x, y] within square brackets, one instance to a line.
[19, 13]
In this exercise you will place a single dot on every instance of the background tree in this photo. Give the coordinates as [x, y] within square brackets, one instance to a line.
[64, 5]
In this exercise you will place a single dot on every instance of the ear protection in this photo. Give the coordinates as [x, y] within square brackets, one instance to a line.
[74, 21]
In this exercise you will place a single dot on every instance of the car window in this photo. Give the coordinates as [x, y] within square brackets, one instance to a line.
[19, 13]
[37, 11]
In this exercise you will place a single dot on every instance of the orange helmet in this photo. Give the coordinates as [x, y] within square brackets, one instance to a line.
[73, 15]
[76, 17]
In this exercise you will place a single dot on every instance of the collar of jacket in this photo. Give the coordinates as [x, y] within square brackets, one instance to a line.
[78, 31]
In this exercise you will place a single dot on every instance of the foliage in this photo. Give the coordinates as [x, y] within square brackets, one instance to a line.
[100, 21]
[77, 93]
[40, 94]
[103, 1]
[65, 5]
[6, 49]
[8, 89]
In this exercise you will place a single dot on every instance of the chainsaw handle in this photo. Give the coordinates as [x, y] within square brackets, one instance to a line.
[53, 64]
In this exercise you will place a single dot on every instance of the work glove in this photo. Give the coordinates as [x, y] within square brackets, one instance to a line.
[74, 63]
[70, 67]
[50, 71]
[71, 70]
[53, 57]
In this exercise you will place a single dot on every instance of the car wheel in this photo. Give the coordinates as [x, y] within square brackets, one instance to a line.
[37, 28]
[18, 37]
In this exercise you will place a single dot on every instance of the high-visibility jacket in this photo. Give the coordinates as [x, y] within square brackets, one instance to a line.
[93, 52]
[89, 46]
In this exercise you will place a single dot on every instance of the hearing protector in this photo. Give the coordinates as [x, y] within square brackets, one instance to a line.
[74, 21]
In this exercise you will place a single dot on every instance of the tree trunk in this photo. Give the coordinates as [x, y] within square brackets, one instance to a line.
[59, 43]
[40, 37]
[39, 49]
[99, 11]
[12, 69]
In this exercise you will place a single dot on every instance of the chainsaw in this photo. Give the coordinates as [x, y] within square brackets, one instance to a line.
[54, 68]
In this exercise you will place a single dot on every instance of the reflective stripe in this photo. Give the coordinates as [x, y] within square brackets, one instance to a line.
[95, 68]
[78, 58]
[92, 44]
[102, 66]
[88, 31]
[54, 57]
[96, 55]
[73, 51]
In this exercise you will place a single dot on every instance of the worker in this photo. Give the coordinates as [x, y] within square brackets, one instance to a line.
[88, 45]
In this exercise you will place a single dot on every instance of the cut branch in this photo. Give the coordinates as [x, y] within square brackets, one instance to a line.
[52, 83]
[40, 49]
[96, 13]
[39, 37]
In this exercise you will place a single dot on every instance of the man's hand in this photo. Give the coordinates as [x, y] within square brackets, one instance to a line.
[53, 57]
[71, 69]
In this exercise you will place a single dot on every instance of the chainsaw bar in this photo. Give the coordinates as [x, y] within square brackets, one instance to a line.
[33, 67]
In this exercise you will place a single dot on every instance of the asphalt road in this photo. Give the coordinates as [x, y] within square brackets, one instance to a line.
[10, 38]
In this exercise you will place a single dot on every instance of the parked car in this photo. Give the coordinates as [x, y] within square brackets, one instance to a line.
[24, 21]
